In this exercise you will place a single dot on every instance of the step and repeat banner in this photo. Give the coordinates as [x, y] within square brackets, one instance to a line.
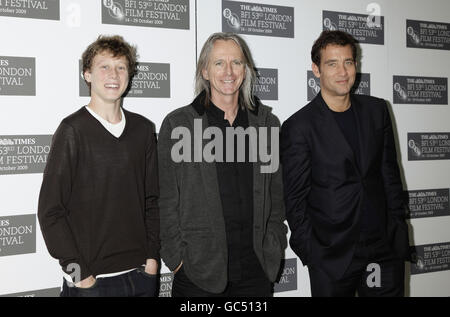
[404, 58]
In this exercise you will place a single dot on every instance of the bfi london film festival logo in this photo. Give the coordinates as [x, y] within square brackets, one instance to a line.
[32, 9]
[48, 292]
[420, 90]
[288, 279]
[196, 148]
[152, 80]
[429, 203]
[427, 34]
[365, 28]
[24, 154]
[172, 14]
[412, 34]
[266, 85]
[361, 86]
[313, 87]
[17, 76]
[428, 146]
[414, 149]
[400, 91]
[257, 19]
[115, 9]
[232, 20]
[430, 258]
[165, 285]
[17, 235]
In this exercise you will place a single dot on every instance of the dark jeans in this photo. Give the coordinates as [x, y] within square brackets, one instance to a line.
[136, 283]
[254, 287]
[391, 274]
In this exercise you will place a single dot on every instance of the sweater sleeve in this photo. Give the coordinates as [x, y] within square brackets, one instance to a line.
[53, 198]
[151, 198]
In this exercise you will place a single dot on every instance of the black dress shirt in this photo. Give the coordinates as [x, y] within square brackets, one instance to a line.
[236, 192]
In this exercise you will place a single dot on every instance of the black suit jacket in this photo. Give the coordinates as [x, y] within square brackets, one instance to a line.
[324, 187]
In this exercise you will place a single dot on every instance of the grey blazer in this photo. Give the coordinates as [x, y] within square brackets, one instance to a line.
[192, 223]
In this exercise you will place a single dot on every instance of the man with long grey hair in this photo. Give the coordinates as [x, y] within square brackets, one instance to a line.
[222, 230]
[245, 95]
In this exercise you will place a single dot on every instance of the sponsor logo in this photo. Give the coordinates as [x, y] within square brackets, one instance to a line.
[425, 34]
[171, 14]
[430, 258]
[257, 19]
[429, 203]
[49, 292]
[17, 76]
[17, 235]
[165, 285]
[24, 154]
[428, 146]
[266, 85]
[365, 28]
[420, 90]
[288, 279]
[32, 9]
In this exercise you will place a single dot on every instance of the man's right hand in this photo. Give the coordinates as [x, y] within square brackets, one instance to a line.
[86, 283]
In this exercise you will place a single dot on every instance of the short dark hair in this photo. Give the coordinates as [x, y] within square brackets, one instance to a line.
[117, 46]
[332, 38]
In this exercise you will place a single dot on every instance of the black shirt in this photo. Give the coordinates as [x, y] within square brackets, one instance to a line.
[370, 219]
[236, 192]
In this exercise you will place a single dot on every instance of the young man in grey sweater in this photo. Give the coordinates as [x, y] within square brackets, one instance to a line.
[98, 207]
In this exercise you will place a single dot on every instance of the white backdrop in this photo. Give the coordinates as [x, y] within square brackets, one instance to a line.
[57, 45]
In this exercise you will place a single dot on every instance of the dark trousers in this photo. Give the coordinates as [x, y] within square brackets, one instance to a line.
[373, 272]
[136, 283]
[254, 287]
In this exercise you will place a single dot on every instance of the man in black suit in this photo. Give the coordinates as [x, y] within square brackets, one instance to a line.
[344, 199]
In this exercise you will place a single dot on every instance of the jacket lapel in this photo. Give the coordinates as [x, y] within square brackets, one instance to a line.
[256, 120]
[363, 122]
[209, 176]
